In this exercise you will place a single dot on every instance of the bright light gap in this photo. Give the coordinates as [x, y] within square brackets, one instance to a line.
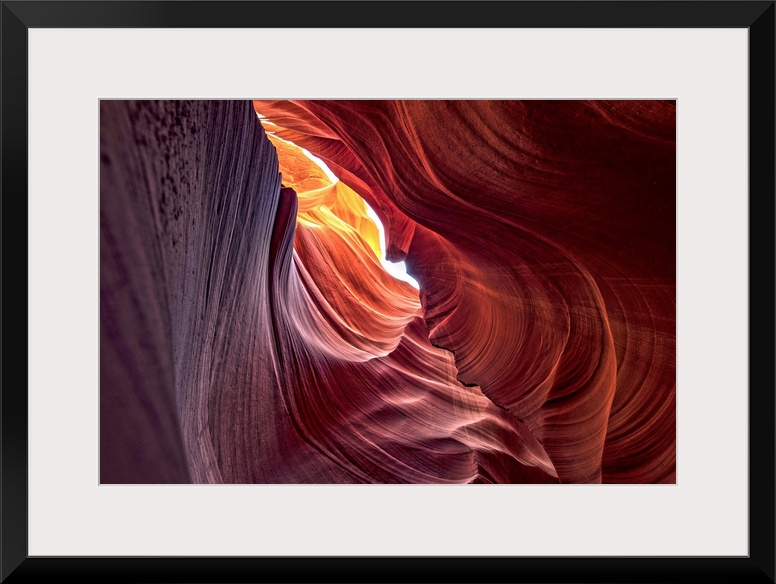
[397, 269]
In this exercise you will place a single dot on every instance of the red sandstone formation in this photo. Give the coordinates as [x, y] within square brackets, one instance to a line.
[250, 334]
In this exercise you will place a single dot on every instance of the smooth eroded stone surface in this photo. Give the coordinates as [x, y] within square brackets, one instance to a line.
[250, 334]
[543, 237]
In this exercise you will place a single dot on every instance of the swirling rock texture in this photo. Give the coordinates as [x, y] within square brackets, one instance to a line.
[250, 334]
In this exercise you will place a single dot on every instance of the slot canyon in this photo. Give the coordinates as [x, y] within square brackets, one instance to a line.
[255, 326]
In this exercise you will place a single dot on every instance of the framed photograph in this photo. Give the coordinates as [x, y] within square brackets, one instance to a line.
[387, 291]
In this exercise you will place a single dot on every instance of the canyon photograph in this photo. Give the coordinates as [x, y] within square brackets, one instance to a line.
[387, 292]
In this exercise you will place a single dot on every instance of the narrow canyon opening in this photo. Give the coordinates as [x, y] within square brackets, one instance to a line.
[254, 331]
[316, 186]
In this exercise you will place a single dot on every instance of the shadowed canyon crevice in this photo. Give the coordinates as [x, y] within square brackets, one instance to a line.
[251, 334]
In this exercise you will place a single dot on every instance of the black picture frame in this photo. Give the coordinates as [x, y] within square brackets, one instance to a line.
[757, 17]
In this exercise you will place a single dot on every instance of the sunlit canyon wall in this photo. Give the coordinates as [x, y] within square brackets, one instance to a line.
[250, 334]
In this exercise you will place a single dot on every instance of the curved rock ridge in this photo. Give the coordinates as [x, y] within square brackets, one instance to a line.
[249, 333]
[542, 234]
[348, 306]
[189, 391]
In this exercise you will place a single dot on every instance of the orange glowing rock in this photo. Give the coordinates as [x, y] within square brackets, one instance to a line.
[250, 333]
[542, 234]
[322, 202]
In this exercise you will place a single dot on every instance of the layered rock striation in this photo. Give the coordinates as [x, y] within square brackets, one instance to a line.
[250, 334]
